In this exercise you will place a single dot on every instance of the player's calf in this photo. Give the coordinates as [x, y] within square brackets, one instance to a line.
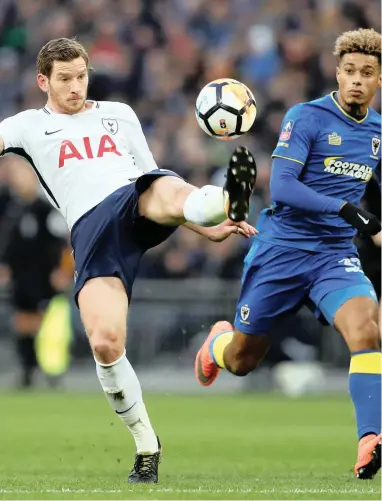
[357, 320]
[227, 348]
[245, 353]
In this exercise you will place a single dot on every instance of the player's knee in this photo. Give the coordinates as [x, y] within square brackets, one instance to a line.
[107, 343]
[364, 335]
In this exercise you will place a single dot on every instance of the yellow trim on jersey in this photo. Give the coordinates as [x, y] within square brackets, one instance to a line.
[366, 363]
[288, 158]
[347, 114]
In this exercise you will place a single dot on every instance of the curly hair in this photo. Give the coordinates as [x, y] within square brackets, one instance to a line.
[366, 41]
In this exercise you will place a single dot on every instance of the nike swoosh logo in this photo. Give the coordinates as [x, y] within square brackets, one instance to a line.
[366, 221]
[53, 132]
[127, 410]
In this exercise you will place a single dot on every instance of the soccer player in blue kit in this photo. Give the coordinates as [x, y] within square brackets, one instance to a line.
[304, 253]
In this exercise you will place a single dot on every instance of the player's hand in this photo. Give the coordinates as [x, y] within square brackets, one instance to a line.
[361, 219]
[223, 230]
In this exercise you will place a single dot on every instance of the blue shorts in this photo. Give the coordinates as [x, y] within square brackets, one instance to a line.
[110, 239]
[277, 280]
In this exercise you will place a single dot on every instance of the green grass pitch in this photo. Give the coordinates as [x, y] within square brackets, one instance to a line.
[72, 446]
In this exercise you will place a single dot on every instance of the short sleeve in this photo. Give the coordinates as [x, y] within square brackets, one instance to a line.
[11, 132]
[298, 131]
[143, 157]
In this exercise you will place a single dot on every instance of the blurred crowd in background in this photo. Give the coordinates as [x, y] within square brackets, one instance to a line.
[156, 55]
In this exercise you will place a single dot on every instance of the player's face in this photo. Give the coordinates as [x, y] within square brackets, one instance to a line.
[358, 77]
[67, 86]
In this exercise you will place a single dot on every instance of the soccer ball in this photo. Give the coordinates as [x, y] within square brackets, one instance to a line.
[225, 109]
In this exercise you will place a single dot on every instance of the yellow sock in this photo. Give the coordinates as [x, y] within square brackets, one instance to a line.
[366, 362]
[219, 345]
[365, 390]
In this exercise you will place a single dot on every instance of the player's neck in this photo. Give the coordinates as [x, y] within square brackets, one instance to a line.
[357, 111]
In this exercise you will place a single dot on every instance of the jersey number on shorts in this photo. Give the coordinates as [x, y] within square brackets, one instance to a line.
[352, 264]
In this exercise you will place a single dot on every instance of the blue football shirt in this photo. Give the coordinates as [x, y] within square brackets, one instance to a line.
[338, 155]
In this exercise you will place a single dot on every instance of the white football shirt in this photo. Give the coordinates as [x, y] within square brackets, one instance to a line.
[80, 159]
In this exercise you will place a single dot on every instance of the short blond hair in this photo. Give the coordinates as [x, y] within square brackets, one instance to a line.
[60, 49]
[362, 40]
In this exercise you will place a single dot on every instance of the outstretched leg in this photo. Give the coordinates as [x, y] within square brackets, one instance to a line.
[171, 201]
[274, 282]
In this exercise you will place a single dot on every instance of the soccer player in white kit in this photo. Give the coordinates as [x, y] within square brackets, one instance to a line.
[96, 168]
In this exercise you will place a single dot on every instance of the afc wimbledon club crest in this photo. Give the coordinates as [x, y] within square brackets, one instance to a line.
[111, 125]
[375, 144]
[244, 312]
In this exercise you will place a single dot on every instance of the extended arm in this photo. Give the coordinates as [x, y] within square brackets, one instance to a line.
[286, 189]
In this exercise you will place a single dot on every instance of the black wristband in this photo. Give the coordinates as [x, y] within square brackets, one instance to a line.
[360, 219]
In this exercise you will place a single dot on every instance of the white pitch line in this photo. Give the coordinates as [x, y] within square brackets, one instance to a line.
[62, 491]
[271, 491]
[193, 491]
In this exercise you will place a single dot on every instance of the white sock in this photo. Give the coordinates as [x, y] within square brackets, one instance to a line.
[206, 206]
[123, 390]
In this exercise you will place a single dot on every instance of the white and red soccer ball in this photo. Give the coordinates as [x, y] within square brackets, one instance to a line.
[225, 109]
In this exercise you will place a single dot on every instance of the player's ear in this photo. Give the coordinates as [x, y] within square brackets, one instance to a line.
[338, 74]
[42, 82]
[379, 81]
